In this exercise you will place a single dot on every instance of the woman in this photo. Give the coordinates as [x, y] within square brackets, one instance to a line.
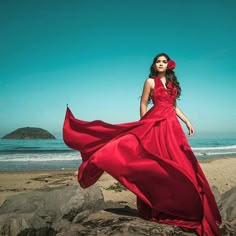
[151, 157]
[162, 67]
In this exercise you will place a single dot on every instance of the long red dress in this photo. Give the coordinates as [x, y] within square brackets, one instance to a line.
[152, 158]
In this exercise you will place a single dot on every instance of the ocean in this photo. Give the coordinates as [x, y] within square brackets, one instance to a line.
[23, 155]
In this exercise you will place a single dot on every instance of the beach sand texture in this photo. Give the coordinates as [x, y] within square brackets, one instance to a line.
[220, 172]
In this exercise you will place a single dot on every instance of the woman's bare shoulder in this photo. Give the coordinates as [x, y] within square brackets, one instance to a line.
[150, 82]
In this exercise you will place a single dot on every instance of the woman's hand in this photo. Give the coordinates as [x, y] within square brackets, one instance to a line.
[181, 115]
[190, 129]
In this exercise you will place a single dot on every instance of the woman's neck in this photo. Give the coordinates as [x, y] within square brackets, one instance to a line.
[162, 76]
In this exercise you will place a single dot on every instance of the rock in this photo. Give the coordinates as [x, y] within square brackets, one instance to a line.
[72, 211]
[80, 202]
[217, 196]
[40, 232]
[114, 223]
[42, 208]
[229, 205]
[29, 133]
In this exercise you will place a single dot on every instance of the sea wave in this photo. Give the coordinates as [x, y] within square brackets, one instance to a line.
[215, 148]
[37, 151]
[69, 155]
[40, 158]
[215, 153]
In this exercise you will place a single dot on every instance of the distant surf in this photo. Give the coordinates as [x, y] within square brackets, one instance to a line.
[219, 151]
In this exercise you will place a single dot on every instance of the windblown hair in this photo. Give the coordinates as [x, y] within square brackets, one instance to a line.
[170, 74]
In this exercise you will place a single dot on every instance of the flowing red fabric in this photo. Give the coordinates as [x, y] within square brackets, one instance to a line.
[152, 158]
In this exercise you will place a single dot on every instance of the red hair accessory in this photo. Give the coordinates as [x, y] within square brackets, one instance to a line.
[171, 65]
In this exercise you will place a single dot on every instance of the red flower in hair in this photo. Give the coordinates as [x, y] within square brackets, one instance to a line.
[171, 65]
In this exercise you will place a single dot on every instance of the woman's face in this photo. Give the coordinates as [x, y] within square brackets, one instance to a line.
[161, 64]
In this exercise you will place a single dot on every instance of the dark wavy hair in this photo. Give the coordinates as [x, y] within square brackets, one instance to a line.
[170, 74]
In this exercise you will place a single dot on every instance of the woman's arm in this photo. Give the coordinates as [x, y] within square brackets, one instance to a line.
[147, 88]
[181, 115]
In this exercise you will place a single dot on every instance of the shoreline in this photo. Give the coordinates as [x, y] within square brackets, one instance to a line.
[201, 160]
[208, 160]
[37, 170]
[220, 172]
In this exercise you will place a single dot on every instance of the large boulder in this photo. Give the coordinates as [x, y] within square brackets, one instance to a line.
[48, 207]
[29, 133]
[228, 211]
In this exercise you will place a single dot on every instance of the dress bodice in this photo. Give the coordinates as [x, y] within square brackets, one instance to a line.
[163, 101]
[162, 96]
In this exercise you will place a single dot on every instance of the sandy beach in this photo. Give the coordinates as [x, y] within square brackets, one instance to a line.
[220, 172]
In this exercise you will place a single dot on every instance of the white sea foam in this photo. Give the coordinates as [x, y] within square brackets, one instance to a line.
[216, 148]
[214, 153]
[39, 158]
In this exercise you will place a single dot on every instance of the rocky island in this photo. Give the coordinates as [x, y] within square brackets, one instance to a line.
[29, 133]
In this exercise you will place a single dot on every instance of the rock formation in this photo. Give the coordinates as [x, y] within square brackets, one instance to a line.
[29, 133]
[70, 210]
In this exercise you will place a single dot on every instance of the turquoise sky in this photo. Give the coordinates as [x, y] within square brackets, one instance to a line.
[95, 56]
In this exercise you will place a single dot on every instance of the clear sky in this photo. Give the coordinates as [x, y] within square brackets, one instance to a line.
[95, 56]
